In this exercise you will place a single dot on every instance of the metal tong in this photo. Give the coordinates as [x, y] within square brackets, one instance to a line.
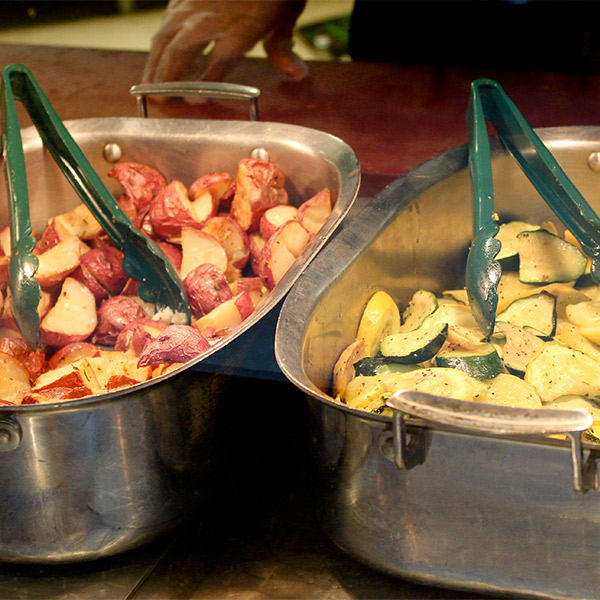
[158, 281]
[489, 101]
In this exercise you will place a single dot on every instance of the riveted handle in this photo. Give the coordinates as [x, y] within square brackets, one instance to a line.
[10, 435]
[198, 89]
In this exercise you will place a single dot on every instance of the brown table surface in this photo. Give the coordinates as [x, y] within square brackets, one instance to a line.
[260, 541]
[394, 116]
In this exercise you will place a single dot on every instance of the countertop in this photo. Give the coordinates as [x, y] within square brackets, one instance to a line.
[394, 116]
[258, 538]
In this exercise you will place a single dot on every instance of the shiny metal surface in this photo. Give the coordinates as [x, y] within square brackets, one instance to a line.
[93, 477]
[478, 512]
[198, 89]
[268, 547]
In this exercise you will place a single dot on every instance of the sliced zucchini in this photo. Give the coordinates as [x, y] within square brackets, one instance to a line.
[573, 240]
[421, 305]
[414, 346]
[507, 234]
[573, 401]
[557, 370]
[510, 390]
[545, 258]
[565, 294]
[343, 370]
[451, 383]
[460, 296]
[536, 313]
[443, 300]
[380, 365]
[370, 393]
[380, 317]
[453, 314]
[466, 338]
[483, 363]
[518, 346]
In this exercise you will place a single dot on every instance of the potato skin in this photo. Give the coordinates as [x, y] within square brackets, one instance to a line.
[140, 182]
[259, 186]
[50, 237]
[170, 211]
[172, 252]
[216, 184]
[113, 315]
[136, 335]
[70, 353]
[206, 287]
[105, 264]
[176, 343]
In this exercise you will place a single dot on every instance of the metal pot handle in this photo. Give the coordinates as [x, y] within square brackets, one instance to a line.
[480, 417]
[199, 89]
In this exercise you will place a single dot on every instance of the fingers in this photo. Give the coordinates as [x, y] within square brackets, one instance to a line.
[230, 48]
[177, 13]
[235, 26]
[278, 46]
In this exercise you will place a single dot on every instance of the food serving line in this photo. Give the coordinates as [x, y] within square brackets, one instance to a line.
[257, 537]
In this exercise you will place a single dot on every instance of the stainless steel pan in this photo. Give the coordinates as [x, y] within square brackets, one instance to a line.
[93, 477]
[454, 506]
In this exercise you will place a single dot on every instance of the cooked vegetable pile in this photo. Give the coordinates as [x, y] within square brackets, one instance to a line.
[231, 239]
[544, 351]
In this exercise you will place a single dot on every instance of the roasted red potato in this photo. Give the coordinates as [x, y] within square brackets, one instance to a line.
[60, 261]
[233, 238]
[206, 287]
[33, 360]
[105, 264]
[171, 211]
[214, 184]
[230, 238]
[114, 315]
[281, 251]
[73, 318]
[175, 344]
[140, 182]
[70, 353]
[259, 186]
[313, 213]
[134, 337]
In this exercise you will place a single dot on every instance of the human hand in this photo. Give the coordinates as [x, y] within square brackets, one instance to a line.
[181, 48]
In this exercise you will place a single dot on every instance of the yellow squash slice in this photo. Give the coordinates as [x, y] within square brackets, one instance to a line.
[380, 318]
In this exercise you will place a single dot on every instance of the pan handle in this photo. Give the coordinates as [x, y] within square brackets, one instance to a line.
[492, 419]
[198, 89]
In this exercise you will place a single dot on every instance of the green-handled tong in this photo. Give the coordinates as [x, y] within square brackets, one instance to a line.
[488, 101]
[158, 281]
